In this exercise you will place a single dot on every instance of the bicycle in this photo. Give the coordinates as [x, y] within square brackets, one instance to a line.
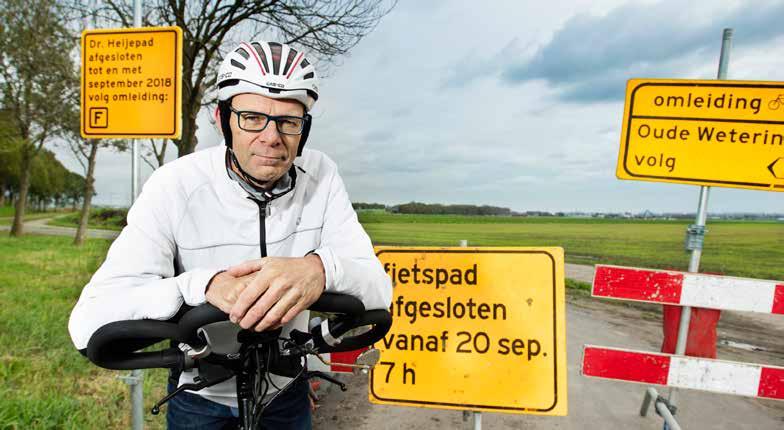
[221, 349]
[776, 103]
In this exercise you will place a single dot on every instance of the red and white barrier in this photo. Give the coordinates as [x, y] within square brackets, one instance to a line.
[689, 289]
[717, 376]
[337, 359]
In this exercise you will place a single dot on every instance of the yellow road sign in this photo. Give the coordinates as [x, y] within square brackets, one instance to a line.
[474, 328]
[713, 133]
[131, 82]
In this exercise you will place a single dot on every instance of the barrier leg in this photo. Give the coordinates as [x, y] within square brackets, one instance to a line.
[650, 394]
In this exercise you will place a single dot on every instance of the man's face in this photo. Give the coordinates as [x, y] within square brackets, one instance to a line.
[266, 155]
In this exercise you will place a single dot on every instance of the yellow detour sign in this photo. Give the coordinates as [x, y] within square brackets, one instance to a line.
[131, 82]
[713, 133]
[474, 328]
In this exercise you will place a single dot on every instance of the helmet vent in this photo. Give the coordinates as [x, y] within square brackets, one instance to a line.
[237, 64]
[275, 50]
[309, 76]
[262, 56]
[228, 83]
[304, 63]
[292, 56]
[243, 52]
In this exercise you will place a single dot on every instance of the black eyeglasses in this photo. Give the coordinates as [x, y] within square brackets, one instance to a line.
[257, 121]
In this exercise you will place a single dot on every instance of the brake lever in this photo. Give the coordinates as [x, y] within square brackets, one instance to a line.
[324, 376]
[198, 385]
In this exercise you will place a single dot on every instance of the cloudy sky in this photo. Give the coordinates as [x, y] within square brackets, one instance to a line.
[516, 104]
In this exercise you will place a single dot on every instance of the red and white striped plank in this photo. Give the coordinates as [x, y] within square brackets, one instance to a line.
[727, 377]
[689, 289]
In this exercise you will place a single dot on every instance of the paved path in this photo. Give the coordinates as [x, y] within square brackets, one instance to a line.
[39, 227]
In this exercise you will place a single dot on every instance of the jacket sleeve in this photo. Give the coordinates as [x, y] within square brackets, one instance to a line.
[136, 281]
[350, 264]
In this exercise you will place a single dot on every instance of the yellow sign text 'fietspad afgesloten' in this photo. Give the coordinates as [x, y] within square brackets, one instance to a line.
[131, 82]
[474, 328]
[712, 133]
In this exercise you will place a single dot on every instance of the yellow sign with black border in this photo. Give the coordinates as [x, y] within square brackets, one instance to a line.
[711, 133]
[474, 328]
[131, 83]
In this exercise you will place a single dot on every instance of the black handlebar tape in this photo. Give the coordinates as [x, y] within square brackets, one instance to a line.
[196, 318]
[114, 345]
[338, 303]
[379, 319]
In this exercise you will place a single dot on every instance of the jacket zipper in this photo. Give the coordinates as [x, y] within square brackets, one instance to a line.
[262, 226]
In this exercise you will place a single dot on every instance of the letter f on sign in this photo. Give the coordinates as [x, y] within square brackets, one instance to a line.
[99, 117]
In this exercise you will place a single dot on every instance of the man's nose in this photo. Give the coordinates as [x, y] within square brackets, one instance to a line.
[270, 133]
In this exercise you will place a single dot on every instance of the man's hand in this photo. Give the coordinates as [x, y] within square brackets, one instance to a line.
[224, 289]
[280, 288]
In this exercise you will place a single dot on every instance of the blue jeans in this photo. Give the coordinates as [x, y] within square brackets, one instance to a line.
[290, 410]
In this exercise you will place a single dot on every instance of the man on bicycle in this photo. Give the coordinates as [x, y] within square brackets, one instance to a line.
[258, 227]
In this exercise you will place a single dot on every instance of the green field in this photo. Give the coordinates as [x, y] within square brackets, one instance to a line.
[104, 219]
[47, 384]
[738, 248]
[749, 249]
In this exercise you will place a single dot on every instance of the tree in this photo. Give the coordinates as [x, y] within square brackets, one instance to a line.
[38, 81]
[326, 28]
[156, 152]
[86, 152]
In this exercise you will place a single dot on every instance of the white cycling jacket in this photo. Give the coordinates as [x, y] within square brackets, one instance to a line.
[190, 213]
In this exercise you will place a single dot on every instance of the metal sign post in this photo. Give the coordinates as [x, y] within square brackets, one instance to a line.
[137, 22]
[696, 232]
[476, 415]
[137, 377]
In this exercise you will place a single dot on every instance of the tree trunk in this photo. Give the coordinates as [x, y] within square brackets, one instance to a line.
[191, 104]
[159, 156]
[17, 229]
[187, 143]
[88, 194]
[2, 195]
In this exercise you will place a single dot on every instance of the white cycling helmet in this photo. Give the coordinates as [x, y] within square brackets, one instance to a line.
[271, 69]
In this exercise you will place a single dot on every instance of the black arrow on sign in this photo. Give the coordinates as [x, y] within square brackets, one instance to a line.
[770, 167]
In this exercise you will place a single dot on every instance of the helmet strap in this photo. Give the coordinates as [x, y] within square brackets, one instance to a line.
[305, 133]
[232, 162]
[224, 110]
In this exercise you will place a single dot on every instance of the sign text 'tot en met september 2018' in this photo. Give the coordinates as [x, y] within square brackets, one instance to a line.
[131, 82]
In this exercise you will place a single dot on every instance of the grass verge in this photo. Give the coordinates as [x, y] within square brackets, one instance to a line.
[47, 384]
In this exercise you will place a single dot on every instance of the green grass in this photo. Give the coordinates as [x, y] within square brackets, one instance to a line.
[748, 249]
[100, 218]
[28, 217]
[7, 214]
[46, 383]
[739, 248]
